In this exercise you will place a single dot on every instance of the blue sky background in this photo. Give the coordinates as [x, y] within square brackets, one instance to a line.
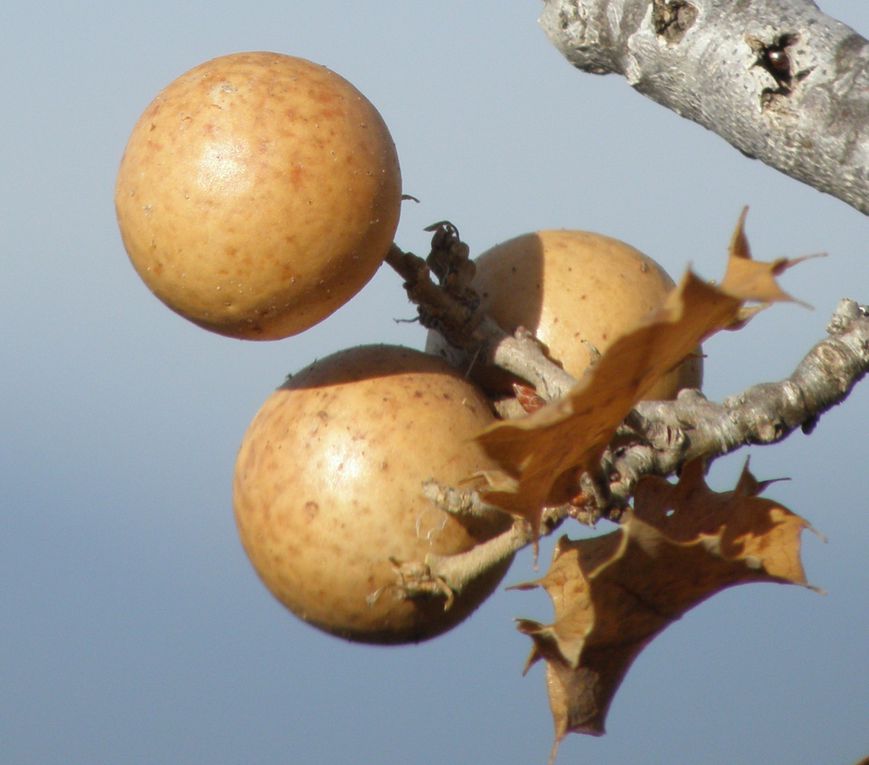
[133, 629]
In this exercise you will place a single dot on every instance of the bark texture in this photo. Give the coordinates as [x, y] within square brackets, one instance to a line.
[661, 436]
[777, 79]
[656, 439]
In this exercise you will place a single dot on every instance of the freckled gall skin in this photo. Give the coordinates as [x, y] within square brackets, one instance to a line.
[257, 194]
[573, 289]
[328, 488]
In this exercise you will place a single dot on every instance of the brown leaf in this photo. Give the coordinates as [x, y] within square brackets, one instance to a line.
[613, 594]
[542, 453]
[753, 280]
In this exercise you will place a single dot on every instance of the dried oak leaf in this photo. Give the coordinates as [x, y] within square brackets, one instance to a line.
[613, 594]
[540, 454]
[745, 278]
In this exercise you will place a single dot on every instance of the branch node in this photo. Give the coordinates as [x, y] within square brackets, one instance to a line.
[417, 580]
[462, 503]
[671, 19]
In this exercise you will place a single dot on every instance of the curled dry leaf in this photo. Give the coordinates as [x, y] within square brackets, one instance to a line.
[614, 593]
[751, 280]
[541, 454]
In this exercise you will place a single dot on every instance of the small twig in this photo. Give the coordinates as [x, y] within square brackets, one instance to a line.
[462, 502]
[436, 306]
[453, 573]
[440, 574]
[670, 433]
[658, 437]
[452, 309]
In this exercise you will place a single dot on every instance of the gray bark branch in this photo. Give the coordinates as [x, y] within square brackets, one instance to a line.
[661, 436]
[657, 438]
[777, 79]
[667, 434]
[475, 337]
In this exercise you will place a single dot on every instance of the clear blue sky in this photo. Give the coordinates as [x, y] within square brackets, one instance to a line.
[133, 629]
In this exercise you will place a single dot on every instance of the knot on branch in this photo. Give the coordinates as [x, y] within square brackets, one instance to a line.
[774, 58]
[847, 311]
[671, 19]
[416, 579]
[450, 305]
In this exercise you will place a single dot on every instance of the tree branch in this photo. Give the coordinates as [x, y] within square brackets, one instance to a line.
[777, 79]
[451, 309]
[657, 438]
[661, 436]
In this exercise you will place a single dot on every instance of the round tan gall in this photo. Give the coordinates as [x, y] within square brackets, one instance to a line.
[328, 491]
[258, 193]
[577, 292]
